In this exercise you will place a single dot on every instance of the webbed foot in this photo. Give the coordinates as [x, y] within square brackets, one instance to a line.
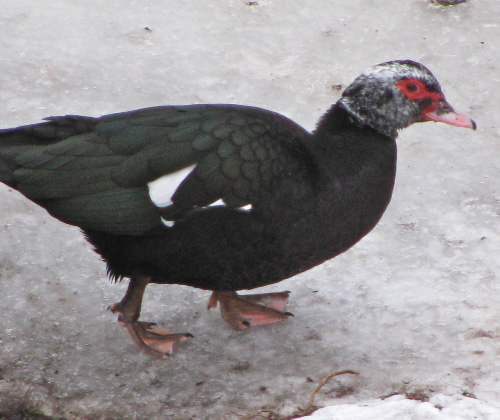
[244, 311]
[155, 342]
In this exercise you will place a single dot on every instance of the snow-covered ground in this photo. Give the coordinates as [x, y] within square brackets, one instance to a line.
[414, 307]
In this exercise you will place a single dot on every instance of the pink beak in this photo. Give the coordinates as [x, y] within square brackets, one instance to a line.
[446, 114]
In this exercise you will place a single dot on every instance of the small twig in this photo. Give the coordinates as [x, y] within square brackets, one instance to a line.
[322, 383]
[300, 412]
[447, 2]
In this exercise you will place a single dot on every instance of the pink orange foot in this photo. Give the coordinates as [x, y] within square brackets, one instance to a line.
[155, 342]
[244, 311]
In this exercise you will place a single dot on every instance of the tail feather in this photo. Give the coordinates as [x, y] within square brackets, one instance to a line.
[7, 167]
[14, 141]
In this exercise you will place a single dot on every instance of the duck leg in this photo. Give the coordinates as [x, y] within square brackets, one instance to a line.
[244, 311]
[156, 342]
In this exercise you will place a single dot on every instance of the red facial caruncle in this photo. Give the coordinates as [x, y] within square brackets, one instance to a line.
[439, 109]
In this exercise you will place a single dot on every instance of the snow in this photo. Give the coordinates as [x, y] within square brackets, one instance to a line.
[413, 307]
[439, 407]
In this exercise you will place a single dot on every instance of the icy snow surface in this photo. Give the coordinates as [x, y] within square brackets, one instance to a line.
[414, 307]
[439, 407]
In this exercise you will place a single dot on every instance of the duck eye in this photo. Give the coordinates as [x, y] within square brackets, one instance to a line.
[411, 87]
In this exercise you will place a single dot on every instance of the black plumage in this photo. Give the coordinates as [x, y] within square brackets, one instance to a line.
[265, 199]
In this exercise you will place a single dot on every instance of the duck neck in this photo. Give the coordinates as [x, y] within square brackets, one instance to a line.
[340, 117]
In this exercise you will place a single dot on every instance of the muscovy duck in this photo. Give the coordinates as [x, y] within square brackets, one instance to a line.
[223, 197]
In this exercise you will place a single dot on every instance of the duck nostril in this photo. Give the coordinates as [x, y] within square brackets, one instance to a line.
[444, 107]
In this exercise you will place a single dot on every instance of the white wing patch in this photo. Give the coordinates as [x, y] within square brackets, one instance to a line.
[162, 189]
[168, 223]
[220, 202]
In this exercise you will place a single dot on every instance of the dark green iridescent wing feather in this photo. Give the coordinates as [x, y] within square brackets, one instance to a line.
[95, 175]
